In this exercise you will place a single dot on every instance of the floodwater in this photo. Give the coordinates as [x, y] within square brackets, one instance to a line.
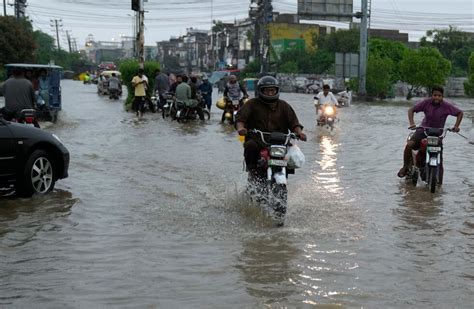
[152, 215]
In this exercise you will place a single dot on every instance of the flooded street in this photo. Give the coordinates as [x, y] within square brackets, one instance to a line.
[152, 215]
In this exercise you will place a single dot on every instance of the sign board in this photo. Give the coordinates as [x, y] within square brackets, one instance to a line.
[347, 65]
[333, 10]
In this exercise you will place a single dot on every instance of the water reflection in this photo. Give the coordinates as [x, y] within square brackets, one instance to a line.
[268, 268]
[327, 176]
[419, 208]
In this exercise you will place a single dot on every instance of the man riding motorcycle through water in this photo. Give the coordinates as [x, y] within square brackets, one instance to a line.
[266, 113]
[436, 110]
[233, 90]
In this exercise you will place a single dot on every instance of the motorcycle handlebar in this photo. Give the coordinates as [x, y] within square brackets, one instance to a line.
[289, 136]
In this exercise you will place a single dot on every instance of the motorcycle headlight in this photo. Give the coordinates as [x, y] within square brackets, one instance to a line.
[329, 110]
[432, 140]
[278, 151]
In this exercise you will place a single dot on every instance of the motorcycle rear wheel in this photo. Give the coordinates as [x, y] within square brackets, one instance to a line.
[433, 178]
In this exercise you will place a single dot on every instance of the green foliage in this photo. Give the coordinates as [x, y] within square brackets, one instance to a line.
[306, 62]
[469, 84]
[16, 40]
[425, 67]
[218, 26]
[289, 67]
[251, 70]
[129, 68]
[387, 49]
[379, 76]
[341, 41]
[453, 44]
[44, 47]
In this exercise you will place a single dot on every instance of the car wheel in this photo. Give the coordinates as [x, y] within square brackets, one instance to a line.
[37, 176]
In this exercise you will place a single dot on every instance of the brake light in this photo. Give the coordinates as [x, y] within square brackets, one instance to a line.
[29, 119]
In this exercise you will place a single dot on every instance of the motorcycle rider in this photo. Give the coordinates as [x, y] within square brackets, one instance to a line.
[19, 94]
[324, 97]
[436, 110]
[114, 86]
[206, 90]
[162, 85]
[266, 113]
[184, 94]
[233, 89]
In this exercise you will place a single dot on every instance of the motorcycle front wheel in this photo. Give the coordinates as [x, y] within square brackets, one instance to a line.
[278, 202]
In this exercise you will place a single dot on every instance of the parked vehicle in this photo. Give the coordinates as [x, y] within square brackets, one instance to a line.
[31, 160]
[103, 82]
[268, 186]
[48, 101]
[428, 159]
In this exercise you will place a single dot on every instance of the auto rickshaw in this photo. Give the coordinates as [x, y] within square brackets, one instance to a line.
[103, 83]
[46, 80]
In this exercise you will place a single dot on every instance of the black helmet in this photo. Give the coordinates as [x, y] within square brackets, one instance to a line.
[268, 82]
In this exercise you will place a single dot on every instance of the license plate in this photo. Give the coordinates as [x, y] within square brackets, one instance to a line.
[433, 149]
[273, 162]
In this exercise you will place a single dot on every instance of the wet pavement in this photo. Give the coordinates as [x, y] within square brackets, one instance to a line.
[152, 215]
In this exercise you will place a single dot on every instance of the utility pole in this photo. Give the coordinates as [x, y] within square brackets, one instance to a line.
[4, 7]
[56, 25]
[267, 16]
[141, 46]
[68, 41]
[363, 49]
[20, 6]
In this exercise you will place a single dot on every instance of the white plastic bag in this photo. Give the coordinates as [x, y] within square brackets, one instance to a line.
[295, 157]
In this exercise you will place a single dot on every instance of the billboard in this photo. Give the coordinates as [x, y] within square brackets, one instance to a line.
[333, 10]
[347, 65]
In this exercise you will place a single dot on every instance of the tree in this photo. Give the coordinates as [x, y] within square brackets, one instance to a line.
[341, 41]
[16, 40]
[44, 47]
[379, 76]
[393, 50]
[288, 67]
[424, 67]
[453, 44]
[469, 84]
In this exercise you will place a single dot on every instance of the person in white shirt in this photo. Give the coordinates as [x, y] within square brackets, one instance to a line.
[324, 97]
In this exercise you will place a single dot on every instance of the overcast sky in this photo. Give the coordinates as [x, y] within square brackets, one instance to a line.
[107, 20]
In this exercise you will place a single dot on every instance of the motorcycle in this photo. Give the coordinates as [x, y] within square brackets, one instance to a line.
[114, 94]
[149, 105]
[268, 183]
[169, 107]
[185, 113]
[428, 159]
[344, 98]
[26, 116]
[232, 107]
[328, 115]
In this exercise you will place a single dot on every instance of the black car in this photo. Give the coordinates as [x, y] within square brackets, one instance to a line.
[31, 160]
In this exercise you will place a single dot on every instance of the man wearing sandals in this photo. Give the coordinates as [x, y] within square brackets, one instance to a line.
[436, 111]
